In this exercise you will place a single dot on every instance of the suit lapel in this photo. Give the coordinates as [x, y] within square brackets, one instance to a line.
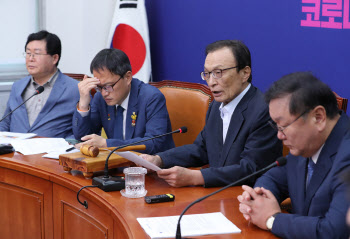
[236, 122]
[132, 109]
[56, 93]
[325, 161]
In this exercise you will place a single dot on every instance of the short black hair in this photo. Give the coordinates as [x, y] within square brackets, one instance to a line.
[114, 60]
[239, 50]
[53, 43]
[306, 92]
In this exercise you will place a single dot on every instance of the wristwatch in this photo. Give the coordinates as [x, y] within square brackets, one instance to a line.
[270, 221]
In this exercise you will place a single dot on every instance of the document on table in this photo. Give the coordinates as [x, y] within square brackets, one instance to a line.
[8, 137]
[138, 160]
[191, 225]
[41, 145]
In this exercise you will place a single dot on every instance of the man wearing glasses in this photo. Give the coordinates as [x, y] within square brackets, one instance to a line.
[50, 113]
[305, 114]
[237, 139]
[125, 107]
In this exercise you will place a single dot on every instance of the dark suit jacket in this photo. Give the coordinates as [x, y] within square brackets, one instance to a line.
[55, 118]
[250, 143]
[147, 102]
[319, 211]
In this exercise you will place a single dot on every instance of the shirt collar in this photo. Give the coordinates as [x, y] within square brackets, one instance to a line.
[50, 82]
[230, 107]
[125, 103]
[317, 154]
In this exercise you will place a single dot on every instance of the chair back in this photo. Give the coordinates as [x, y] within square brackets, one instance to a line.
[187, 104]
[342, 102]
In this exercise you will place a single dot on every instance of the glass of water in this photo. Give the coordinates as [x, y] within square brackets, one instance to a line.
[134, 182]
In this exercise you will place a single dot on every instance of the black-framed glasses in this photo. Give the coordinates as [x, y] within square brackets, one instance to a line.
[217, 73]
[34, 55]
[108, 88]
[282, 128]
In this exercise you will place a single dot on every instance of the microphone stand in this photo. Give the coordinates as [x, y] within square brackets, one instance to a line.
[6, 149]
[279, 162]
[37, 92]
[108, 183]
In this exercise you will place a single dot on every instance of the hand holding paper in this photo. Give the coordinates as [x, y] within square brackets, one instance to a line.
[138, 160]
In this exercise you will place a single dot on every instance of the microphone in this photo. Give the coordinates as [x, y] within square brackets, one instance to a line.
[107, 183]
[279, 162]
[38, 90]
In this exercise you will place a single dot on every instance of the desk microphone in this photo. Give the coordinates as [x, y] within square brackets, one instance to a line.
[37, 92]
[279, 162]
[107, 183]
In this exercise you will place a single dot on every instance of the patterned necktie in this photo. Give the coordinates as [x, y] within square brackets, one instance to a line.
[310, 171]
[118, 127]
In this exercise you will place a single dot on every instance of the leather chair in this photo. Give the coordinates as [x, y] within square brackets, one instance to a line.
[187, 104]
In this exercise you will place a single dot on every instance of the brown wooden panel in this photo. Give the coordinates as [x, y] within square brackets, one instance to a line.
[110, 213]
[73, 221]
[25, 206]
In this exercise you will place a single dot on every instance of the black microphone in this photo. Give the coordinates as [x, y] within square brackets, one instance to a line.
[37, 92]
[107, 183]
[279, 162]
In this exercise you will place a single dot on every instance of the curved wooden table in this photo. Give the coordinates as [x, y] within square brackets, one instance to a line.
[38, 200]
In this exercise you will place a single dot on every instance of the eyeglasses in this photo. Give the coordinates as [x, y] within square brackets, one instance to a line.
[34, 55]
[217, 74]
[107, 88]
[282, 128]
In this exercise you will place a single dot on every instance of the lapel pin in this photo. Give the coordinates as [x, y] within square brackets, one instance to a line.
[109, 117]
[133, 119]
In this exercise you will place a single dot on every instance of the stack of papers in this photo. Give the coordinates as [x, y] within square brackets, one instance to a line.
[191, 225]
[53, 146]
[8, 137]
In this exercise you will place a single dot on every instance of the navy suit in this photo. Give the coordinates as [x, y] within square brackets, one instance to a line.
[319, 211]
[145, 101]
[250, 143]
[55, 118]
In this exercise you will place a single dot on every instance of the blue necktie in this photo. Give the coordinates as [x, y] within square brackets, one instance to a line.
[118, 127]
[310, 171]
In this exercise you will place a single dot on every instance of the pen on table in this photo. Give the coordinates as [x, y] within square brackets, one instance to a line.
[70, 149]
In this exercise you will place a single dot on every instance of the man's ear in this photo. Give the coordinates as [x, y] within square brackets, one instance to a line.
[55, 59]
[128, 76]
[319, 115]
[245, 73]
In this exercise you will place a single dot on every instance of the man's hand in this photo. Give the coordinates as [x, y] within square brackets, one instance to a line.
[94, 140]
[180, 177]
[85, 86]
[257, 205]
[155, 159]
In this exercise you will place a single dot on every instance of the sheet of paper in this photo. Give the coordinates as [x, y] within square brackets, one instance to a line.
[40, 145]
[138, 160]
[8, 137]
[56, 154]
[191, 225]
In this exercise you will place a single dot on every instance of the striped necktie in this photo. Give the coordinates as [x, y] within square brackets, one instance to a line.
[310, 171]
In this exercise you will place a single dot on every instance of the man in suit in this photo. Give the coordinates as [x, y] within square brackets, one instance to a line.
[50, 113]
[306, 116]
[237, 139]
[125, 107]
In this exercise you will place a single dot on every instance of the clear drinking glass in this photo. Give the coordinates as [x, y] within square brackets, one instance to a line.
[134, 182]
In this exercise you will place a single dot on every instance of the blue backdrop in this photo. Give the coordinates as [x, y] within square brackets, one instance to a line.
[181, 29]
